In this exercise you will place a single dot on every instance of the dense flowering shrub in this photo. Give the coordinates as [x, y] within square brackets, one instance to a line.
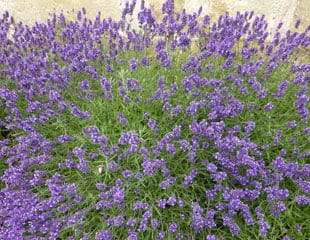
[179, 129]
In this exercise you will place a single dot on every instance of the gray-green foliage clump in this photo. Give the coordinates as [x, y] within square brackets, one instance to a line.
[181, 129]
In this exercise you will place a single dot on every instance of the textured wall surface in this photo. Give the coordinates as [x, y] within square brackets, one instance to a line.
[288, 11]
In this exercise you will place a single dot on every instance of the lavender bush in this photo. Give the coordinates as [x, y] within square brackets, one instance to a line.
[179, 129]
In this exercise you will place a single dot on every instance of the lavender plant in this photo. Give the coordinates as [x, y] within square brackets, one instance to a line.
[179, 129]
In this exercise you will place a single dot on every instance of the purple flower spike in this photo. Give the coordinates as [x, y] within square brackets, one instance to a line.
[302, 200]
[145, 62]
[291, 124]
[173, 227]
[168, 7]
[84, 85]
[122, 119]
[133, 63]
[55, 96]
[104, 235]
[269, 106]
[152, 124]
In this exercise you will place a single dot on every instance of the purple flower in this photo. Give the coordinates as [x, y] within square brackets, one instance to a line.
[122, 119]
[170, 148]
[173, 227]
[211, 237]
[184, 145]
[119, 195]
[131, 222]
[296, 150]
[179, 236]
[63, 138]
[262, 93]
[283, 152]
[211, 168]
[291, 124]
[127, 174]
[78, 113]
[164, 58]
[297, 23]
[114, 149]
[118, 182]
[92, 132]
[145, 61]
[144, 221]
[282, 88]
[112, 166]
[189, 179]
[162, 203]
[249, 126]
[132, 235]
[117, 221]
[277, 208]
[133, 63]
[219, 176]
[234, 229]
[287, 238]
[182, 217]
[172, 200]
[101, 186]
[268, 106]
[106, 86]
[89, 96]
[140, 205]
[76, 218]
[175, 111]
[263, 228]
[302, 200]
[184, 41]
[298, 228]
[160, 235]
[55, 96]
[168, 8]
[104, 235]
[152, 124]
[84, 85]
[307, 130]
[155, 223]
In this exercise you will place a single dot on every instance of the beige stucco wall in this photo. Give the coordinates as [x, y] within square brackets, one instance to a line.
[29, 11]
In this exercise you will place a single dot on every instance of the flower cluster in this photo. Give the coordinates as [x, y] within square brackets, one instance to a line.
[180, 129]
